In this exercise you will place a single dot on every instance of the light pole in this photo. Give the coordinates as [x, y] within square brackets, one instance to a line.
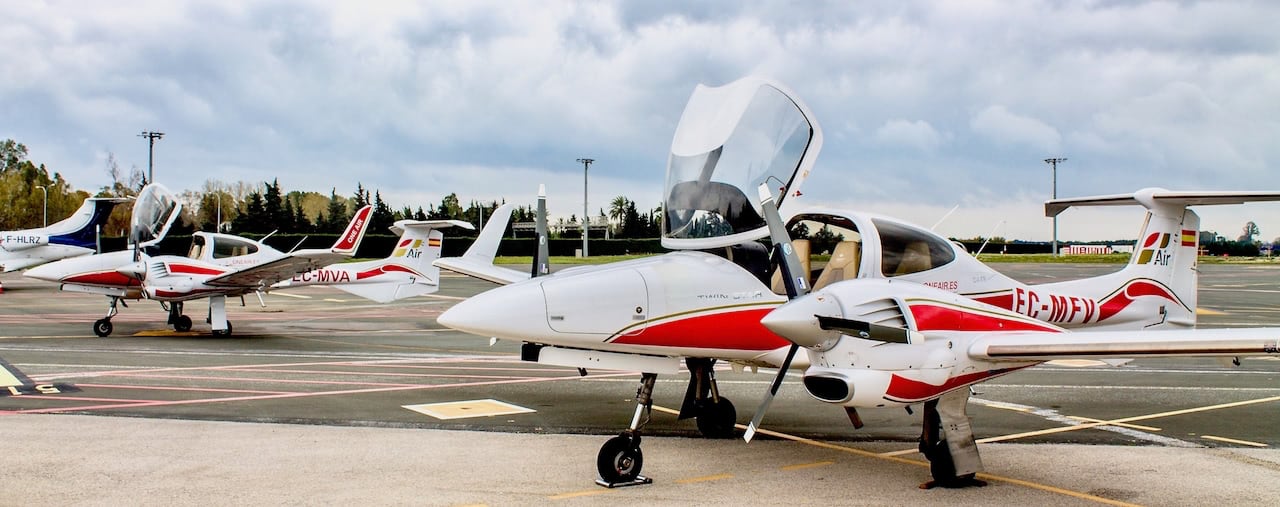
[1053, 164]
[219, 226]
[151, 151]
[586, 217]
[45, 189]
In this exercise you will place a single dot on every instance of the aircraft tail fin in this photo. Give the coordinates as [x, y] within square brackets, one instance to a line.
[81, 228]
[1164, 258]
[419, 244]
[478, 259]
[350, 239]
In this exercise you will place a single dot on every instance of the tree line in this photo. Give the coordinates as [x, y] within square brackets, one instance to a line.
[264, 207]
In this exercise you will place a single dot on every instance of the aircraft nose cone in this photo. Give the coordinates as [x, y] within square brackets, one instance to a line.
[796, 320]
[516, 312]
[47, 272]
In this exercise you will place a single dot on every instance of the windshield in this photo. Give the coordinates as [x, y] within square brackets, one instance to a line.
[730, 141]
[153, 212]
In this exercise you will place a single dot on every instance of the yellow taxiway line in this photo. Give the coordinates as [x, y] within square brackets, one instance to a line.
[869, 454]
[1115, 422]
[1234, 441]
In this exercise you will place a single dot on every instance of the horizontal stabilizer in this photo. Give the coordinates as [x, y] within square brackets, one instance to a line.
[1149, 197]
[478, 260]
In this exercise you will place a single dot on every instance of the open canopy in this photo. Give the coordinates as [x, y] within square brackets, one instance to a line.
[153, 213]
[730, 140]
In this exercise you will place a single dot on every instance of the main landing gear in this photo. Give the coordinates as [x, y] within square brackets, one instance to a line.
[180, 322]
[620, 459]
[715, 414]
[947, 441]
[102, 327]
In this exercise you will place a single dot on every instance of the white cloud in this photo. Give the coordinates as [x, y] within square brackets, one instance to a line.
[1002, 127]
[935, 103]
[917, 134]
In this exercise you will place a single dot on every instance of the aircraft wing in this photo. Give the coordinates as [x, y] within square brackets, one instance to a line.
[1045, 346]
[478, 259]
[16, 264]
[268, 273]
[481, 269]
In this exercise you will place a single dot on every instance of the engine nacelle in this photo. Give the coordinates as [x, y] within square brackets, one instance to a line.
[870, 388]
[16, 242]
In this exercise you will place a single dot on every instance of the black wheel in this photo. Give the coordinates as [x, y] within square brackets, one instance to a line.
[716, 420]
[224, 332]
[620, 459]
[102, 328]
[182, 323]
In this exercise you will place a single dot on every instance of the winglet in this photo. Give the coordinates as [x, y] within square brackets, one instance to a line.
[350, 239]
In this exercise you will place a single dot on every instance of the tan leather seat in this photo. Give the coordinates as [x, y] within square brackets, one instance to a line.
[915, 258]
[843, 264]
[801, 247]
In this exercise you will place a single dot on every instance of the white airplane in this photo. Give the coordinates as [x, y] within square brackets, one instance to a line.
[72, 237]
[407, 272]
[703, 306]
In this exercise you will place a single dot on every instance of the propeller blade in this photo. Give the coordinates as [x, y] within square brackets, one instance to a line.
[865, 330]
[768, 397]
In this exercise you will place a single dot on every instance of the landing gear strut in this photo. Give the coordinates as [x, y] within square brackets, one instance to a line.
[102, 327]
[947, 441]
[620, 459]
[716, 415]
[179, 321]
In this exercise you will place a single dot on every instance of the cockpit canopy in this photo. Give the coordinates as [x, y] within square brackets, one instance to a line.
[731, 140]
[154, 211]
[206, 246]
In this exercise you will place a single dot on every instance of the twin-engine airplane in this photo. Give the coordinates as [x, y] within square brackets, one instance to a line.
[72, 237]
[222, 265]
[901, 316]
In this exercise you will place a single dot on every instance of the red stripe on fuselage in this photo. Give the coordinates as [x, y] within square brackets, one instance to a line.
[902, 389]
[105, 278]
[930, 317]
[189, 269]
[736, 329]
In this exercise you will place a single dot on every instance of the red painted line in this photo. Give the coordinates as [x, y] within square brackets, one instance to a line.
[305, 395]
[174, 388]
[546, 370]
[55, 397]
[273, 380]
[380, 374]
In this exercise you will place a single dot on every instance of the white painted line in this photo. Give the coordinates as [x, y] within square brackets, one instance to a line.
[288, 295]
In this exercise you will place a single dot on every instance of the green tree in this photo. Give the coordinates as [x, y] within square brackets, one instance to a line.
[382, 217]
[338, 214]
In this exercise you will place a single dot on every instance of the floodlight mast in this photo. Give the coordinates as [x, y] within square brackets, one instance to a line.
[151, 152]
[586, 220]
[1053, 164]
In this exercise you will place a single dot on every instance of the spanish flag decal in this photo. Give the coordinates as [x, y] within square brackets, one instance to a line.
[1188, 238]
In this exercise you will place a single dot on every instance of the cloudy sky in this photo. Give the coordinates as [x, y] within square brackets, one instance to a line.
[925, 106]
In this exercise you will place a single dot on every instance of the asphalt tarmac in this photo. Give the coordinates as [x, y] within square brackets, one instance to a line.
[341, 372]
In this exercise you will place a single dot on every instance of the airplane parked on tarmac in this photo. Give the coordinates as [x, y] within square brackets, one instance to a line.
[720, 300]
[74, 236]
[221, 265]
[407, 272]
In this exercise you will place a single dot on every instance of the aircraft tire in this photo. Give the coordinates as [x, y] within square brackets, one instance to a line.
[182, 323]
[102, 328]
[716, 420]
[620, 459]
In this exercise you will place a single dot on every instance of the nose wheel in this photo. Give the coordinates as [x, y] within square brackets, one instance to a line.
[620, 458]
[620, 461]
[102, 327]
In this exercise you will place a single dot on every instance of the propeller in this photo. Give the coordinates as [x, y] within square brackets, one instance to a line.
[797, 284]
[540, 262]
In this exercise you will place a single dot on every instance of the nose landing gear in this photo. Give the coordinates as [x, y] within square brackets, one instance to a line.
[620, 459]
